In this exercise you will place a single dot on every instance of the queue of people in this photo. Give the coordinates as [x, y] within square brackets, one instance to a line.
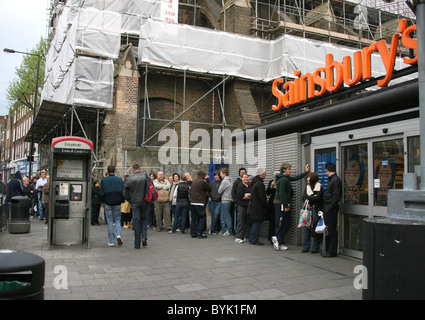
[36, 188]
[237, 208]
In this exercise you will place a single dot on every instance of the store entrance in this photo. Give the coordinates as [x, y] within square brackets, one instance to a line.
[369, 169]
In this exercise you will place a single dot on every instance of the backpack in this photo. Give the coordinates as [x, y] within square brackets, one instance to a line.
[151, 195]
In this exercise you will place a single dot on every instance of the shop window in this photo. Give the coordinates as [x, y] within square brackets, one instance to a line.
[355, 174]
[414, 156]
[388, 164]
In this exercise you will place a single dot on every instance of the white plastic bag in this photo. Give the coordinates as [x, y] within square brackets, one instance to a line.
[321, 227]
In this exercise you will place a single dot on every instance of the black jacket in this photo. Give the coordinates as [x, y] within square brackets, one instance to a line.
[95, 197]
[235, 186]
[240, 193]
[332, 195]
[315, 200]
[135, 188]
[183, 192]
[14, 187]
[259, 204]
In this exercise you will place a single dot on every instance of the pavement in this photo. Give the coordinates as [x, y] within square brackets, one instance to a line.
[177, 267]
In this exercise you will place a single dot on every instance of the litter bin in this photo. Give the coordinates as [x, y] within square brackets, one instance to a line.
[20, 215]
[21, 276]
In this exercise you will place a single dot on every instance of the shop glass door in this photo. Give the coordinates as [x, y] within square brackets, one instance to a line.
[355, 174]
[355, 198]
[369, 169]
[388, 163]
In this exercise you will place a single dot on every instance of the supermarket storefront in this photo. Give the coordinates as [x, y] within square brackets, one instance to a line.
[373, 138]
[370, 161]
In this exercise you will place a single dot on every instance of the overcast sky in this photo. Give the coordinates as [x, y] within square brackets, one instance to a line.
[22, 23]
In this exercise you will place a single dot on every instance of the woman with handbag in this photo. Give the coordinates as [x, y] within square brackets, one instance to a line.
[314, 194]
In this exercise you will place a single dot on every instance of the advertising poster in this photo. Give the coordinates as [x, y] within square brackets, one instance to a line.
[320, 163]
[70, 169]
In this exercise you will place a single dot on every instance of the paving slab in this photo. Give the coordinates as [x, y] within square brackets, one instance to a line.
[177, 267]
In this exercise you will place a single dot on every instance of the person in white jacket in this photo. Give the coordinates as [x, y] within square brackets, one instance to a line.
[39, 187]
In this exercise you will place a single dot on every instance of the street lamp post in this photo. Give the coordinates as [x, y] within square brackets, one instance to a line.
[420, 36]
[31, 157]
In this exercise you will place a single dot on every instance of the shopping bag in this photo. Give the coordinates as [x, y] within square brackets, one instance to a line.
[321, 227]
[305, 216]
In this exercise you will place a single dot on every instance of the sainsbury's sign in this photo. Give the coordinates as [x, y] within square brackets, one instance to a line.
[335, 73]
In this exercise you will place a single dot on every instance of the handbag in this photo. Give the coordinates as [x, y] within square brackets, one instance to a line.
[321, 227]
[305, 216]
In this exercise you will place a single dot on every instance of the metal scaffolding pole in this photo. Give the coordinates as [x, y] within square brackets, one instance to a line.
[184, 111]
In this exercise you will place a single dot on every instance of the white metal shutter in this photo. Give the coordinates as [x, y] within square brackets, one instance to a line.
[279, 150]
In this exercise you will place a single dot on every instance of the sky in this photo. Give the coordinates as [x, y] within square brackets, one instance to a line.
[22, 24]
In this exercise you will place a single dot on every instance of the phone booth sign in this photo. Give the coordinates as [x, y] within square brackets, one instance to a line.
[70, 191]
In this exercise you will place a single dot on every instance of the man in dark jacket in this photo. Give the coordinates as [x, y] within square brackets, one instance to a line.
[134, 192]
[331, 201]
[14, 187]
[235, 186]
[111, 189]
[214, 202]
[198, 202]
[259, 207]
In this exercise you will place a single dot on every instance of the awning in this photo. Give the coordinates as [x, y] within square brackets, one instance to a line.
[53, 119]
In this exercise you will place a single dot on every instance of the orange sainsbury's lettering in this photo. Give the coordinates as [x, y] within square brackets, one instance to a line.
[350, 71]
[349, 79]
[410, 43]
[278, 94]
[333, 82]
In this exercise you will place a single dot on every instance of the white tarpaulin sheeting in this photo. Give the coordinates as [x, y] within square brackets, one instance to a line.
[79, 63]
[91, 27]
[204, 50]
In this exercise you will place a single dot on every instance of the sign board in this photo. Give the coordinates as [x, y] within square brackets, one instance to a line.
[170, 10]
[72, 145]
[350, 71]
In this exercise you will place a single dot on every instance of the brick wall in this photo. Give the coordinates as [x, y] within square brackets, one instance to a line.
[238, 17]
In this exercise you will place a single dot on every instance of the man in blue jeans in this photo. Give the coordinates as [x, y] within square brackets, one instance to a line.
[39, 187]
[225, 191]
[111, 194]
[214, 202]
[134, 192]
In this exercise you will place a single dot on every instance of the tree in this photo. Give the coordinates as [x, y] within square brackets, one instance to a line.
[21, 89]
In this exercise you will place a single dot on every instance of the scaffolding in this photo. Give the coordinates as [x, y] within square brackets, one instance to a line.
[285, 35]
[348, 22]
[90, 33]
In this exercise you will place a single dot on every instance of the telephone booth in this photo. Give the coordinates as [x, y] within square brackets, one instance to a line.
[70, 191]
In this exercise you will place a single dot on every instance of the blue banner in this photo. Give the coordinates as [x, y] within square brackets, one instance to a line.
[320, 162]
